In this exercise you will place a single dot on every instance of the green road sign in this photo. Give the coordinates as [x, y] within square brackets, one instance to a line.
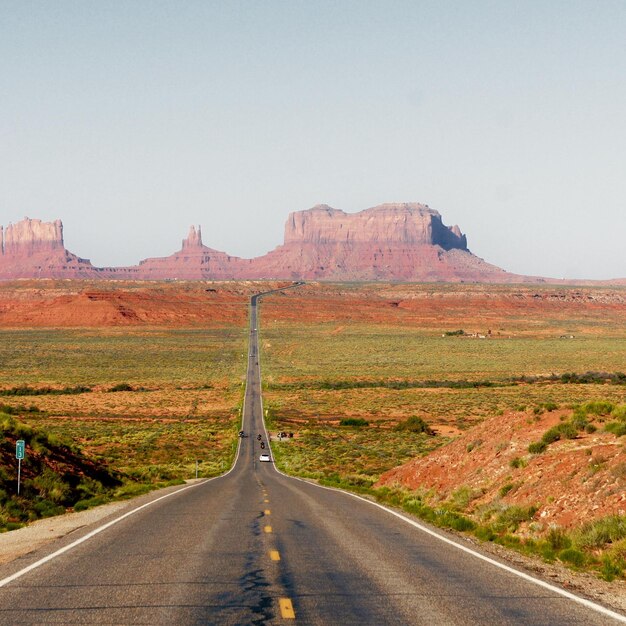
[20, 447]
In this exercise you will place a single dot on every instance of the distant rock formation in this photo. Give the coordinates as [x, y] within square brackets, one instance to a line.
[194, 261]
[30, 237]
[390, 242]
[405, 242]
[35, 249]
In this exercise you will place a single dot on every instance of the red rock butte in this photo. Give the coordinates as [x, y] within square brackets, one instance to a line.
[390, 242]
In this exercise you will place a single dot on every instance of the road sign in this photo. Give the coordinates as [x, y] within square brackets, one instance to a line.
[20, 448]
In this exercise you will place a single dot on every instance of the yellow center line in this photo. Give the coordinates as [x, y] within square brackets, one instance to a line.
[268, 529]
[286, 608]
[266, 501]
[274, 555]
[267, 512]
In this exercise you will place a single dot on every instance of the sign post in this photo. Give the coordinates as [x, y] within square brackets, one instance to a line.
[20, 447]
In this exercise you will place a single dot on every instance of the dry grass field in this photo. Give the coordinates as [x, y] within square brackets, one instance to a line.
[147, 377]
[382, 353]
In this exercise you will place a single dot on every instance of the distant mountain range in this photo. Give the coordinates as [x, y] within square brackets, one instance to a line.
[391, 242]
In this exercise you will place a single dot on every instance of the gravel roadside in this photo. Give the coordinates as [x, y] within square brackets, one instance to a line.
[16, 543]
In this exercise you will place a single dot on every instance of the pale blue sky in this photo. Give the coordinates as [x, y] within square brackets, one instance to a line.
[132, 120]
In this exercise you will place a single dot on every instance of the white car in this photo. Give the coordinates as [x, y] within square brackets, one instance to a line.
[265, 457]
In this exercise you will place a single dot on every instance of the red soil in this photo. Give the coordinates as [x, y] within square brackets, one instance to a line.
[100, 304]
[573, 481]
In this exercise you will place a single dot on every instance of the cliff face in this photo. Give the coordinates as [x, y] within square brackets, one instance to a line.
[30, 237]
[387, 224]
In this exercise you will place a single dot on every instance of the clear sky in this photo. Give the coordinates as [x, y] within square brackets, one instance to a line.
[131, 121]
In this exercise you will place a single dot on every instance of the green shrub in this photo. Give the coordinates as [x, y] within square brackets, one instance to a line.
[505, 489]
[463, 496]
[602, 531]
[568, 430]
[354, 421]
[558, 539]
[517, 462]
[598, 408]
[617, 428]
[572, 556]
[537, 447]
[511, 517]
[45, 508]
[551, 435]
[121, 387]
[25, 390]
[88, 503]
[611, 569]
[484, 533]
[461, 523]
[51, 486]
[579, 421]
[414, 424]
[619, 412]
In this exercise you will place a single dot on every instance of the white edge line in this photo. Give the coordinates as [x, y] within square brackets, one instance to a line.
[527, 577]
[96, 531]
[537, 581]
[89, 535]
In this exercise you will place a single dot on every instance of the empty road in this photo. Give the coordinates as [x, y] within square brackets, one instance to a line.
[256, 547]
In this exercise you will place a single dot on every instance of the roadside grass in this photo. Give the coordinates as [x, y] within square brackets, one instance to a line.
[56, 475]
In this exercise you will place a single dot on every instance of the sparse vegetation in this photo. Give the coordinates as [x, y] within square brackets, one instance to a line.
[414, 424]
[518, 462]
[56, 475]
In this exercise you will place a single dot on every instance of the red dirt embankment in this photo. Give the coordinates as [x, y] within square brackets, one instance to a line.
[48, 303]
[571, 482]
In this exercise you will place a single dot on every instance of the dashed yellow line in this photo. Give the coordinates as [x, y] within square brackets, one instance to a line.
[286, 608]
[266, 501]
[274, 555]
[268, 529]
[267, 512]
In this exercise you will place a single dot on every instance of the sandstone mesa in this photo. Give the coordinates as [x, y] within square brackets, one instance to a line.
[393, 242]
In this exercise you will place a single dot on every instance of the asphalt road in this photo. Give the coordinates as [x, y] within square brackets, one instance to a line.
[256, 547]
